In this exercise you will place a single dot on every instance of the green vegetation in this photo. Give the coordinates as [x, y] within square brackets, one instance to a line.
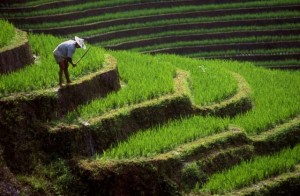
[250, 172]
[166, 137]
[32, 3]
[245, 52]
[7, 33]
[217, 83]
[72, 8]
[251, 39]
[280, 14]
[159, 72]
[278, 63]
[275, 95]
[55, 177]
[144, 78]
[93, 5]
[199, 31]
[44, 72]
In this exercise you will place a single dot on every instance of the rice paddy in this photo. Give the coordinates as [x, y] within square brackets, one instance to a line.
[105, 151]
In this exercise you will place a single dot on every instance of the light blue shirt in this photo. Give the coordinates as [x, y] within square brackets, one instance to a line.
[65, 49]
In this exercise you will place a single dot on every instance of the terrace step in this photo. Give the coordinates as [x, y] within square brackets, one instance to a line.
[51, 103]
[41, 6]
[16, 56]
[111, 9]
[115, 126]
[284, 184]
[122, 21]
[205, 36]
[158, 29]
[206, 150]
[222, 47]
[261, 57]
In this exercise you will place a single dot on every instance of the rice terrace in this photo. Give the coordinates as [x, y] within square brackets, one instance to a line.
[170, 97]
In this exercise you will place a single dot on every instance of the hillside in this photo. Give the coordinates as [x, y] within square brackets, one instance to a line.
[135, 123]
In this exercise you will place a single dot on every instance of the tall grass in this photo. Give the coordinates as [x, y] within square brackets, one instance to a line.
[7, 33]
[166, 137]
[265, 15]
[250, 172]
[44, 72]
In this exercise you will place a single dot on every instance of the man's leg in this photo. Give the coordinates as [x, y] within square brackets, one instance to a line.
[60, 73]
[66, 71]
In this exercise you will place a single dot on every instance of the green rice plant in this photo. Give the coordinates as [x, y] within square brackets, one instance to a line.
[278, 14]
[251, 39]
[245, 52]
[165, 137]
[278, 63]
[148, 77]
[150, 12]
[44, 72]
[208, 84]
[7, 33]
[275, 96]
[253, 171]
[198, 31]
[145, 78]
[99, 4]
[71, 8]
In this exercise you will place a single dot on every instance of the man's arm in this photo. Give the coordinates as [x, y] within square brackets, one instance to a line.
[70, 60]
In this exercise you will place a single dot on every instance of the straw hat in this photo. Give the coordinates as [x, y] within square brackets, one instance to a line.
[80, 42]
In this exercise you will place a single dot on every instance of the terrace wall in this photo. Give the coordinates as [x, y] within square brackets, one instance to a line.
[14, 57]
[22, 115]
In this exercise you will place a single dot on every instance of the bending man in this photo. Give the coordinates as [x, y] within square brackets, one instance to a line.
[63, 55]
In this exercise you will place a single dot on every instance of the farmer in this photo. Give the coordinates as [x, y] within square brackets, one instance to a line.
[63, 55]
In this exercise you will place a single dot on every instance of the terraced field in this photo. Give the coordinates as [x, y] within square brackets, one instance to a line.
[195, 28]
[134, 123]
